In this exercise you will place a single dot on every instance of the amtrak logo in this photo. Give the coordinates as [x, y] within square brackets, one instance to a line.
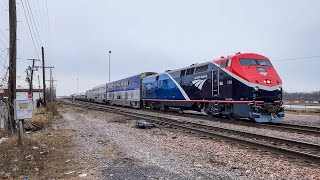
[199, 83]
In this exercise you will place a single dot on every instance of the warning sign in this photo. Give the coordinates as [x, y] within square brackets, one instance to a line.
[23, 105]
[23, 109]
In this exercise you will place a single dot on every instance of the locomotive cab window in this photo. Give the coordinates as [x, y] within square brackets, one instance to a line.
[248, 62]
[190, 71]
[229, 62]
[201, 69]
[223, 64]
[255, 62]
[183, 72]
[264, 62]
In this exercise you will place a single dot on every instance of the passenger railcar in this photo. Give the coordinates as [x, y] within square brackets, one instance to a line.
[80, 96]
[241, 86]
[98, 94]
[126, 92]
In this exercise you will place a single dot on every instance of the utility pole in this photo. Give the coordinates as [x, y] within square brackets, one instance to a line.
[51, 87]
[51, 84]
[31, 78]
[109, 64]
[43, 79]
[39, 86]
[12, 64]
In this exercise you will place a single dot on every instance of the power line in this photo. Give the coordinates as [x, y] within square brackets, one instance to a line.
[30, 29]
[4, 35]
[3, 43]
[31, 22]
[6, 5]
[49, 30]
[26, 31]
[298, 58]
[34, 22]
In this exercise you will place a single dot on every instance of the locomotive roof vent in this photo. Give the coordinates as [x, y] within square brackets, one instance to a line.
[168, 70]
[193, 64]
[222, 56]
[238, 53]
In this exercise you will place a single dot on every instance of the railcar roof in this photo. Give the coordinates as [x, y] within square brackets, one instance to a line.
[187, 67]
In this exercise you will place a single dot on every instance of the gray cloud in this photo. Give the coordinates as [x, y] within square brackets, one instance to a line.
[158, 35]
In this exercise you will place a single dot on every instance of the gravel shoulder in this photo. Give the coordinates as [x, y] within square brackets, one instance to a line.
[110, 147]
[312, 119]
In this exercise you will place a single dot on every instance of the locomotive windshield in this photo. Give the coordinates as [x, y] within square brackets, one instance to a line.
[255, 62]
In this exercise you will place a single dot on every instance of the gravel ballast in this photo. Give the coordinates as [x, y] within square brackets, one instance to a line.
[112, 148]
[255, 130]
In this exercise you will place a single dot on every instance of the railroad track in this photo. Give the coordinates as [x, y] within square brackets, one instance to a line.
[292, 128]
[296, 149]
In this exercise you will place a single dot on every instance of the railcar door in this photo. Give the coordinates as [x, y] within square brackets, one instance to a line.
[126, 98]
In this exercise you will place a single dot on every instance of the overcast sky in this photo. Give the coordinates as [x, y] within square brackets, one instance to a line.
[146, 35]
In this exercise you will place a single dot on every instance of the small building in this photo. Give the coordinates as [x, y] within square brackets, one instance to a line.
[315, 102]
[22, 93]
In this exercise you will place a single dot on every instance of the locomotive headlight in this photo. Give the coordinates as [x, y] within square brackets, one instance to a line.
[256, 88]
[267, 81]
[279, 88]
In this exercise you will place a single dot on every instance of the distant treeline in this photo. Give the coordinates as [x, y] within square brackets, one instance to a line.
[302, 96]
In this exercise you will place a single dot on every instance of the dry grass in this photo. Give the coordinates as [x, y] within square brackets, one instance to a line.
[43, 155]
[28, 160]
[44, 117]
[3, 133]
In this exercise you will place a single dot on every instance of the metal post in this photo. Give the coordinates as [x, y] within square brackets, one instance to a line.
[50, 84]
[21, 132]
[109, 65]
[77, 87]
[39, 86]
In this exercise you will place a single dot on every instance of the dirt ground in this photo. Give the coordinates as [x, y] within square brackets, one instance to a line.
[109, 146]
[86, 144]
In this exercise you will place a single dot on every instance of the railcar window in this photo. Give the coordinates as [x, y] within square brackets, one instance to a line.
[183, 72]
[201, 69]
[190, 71]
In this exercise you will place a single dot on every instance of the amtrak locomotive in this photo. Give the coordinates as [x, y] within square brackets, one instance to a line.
[239, 86]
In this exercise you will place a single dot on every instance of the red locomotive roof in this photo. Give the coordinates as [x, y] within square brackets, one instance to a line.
[250, 68]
